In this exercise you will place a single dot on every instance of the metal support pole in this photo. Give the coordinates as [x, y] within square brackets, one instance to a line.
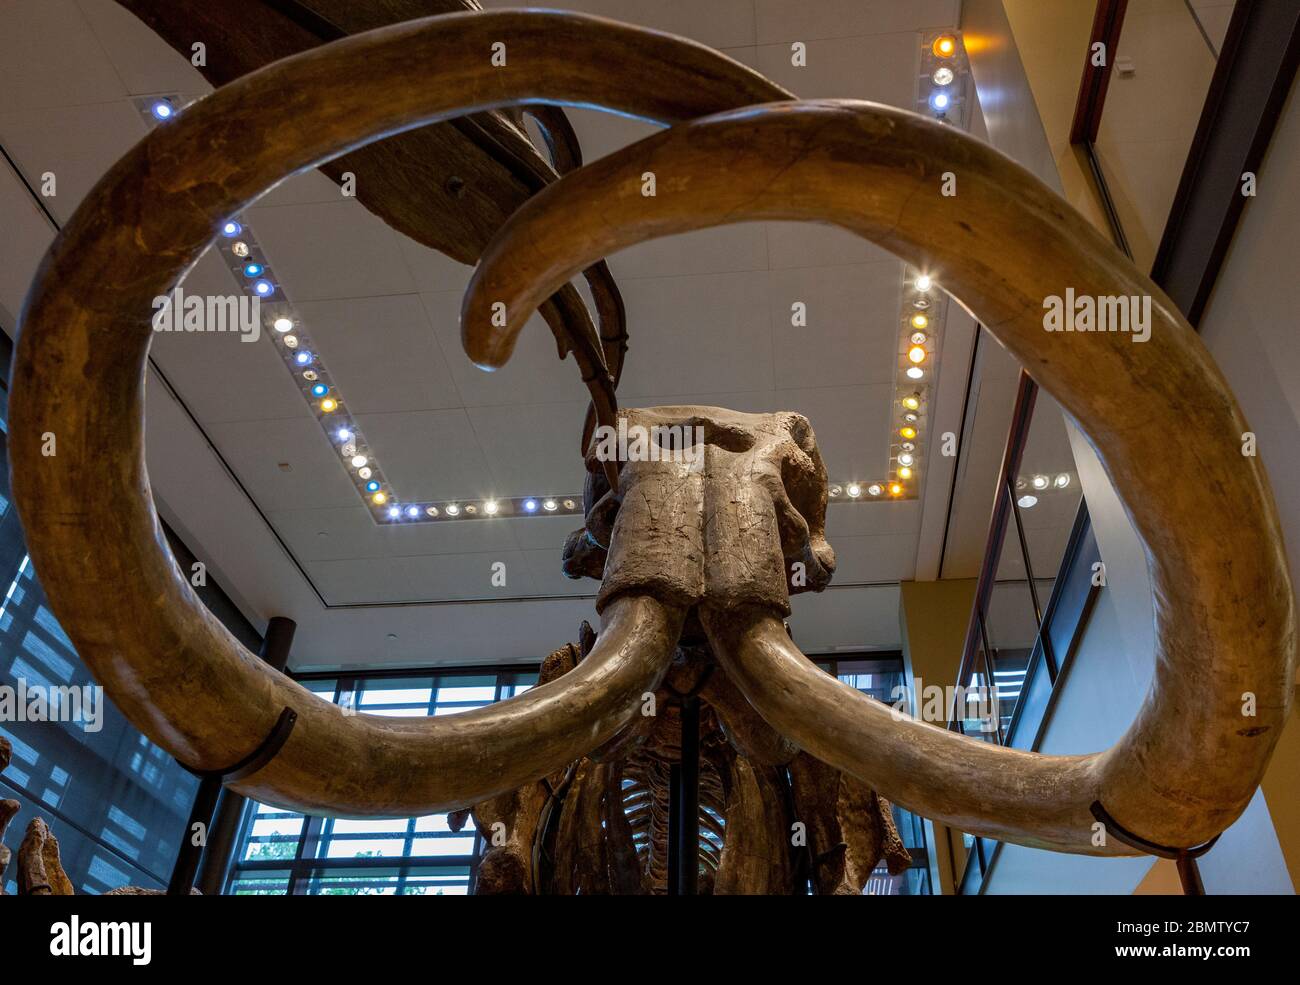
[223, 830]
[687, 872]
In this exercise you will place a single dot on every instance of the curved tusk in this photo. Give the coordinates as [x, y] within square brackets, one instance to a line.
[79, 372]
[1224, 606]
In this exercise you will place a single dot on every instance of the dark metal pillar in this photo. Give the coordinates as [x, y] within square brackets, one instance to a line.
[224, 827]
[684, 807]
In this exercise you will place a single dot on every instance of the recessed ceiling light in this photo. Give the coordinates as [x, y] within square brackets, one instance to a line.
[413, 511]
[431, 510]
[490, 507]
[905, 473]
[854, 490]
[905, 459]
[231, 228]
[394, 512]
[943, 76]
[291, 341]
[923, 283]
[162, 109]
[945, 46]
[919, 320]
[365, 473]
[917, 354]
[358, 461]
[1040, 482]
[907, 432]
[835, 491]
[1026, 501]
[550, 505]
[239, 248]
[452, 509]
[915, 372]
[874, 489]
[329, 405]
[895, 489]
[379, 499]
[940, 101]
[913, 402]
[264, 288]
[1062, 480]
[530, 505]
[283, 324]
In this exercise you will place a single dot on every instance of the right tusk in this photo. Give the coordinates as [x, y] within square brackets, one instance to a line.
[1163, 420]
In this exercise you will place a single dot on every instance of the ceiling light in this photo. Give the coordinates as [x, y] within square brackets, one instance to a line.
[920, 303]
[393, 512]
[915, 372]
[490, 507]
[895, 489]
[854, 490]
[431, 510]
[379, 499]
[319, 390]
[329, 405]
[231, 228]
[945, 46]
[453, 509]
[905, 473]
[1026, 501]
[1062, 480]
[1040, 482]
[569, 504]
[916, 354]
[471, 508]
[918, 338]
[874, 489]
[239, 248]
[372, 486]
[835, 491]
[253, 270]
[923, 283]
[939, 101]
[919, 320]
[291, 341]
[264, 288]
[358, 461]
[303, 358]
[908, 432]
[310, 375]
[343, 434]
[550, 505]
[530, 506]
[911, 418]
[908, 446]
[413, 511]
[913, 402]
[365, 472]
[283, 324]
[905, 459]
[162, 110]
[943, 76]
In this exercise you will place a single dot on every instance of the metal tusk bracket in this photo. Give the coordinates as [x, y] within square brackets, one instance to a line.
[1184, 858]
[211, 783]
[258, 758]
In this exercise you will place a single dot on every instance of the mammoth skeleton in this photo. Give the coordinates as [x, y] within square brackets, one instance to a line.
[708, 554]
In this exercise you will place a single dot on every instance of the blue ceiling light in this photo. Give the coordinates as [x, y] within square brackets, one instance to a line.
[940, 101]
[162, 110]
[319, 390]
[393, 512]
[264, 288]
[372, 486]
[530, 505]
[231, 229]
[253, 269]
